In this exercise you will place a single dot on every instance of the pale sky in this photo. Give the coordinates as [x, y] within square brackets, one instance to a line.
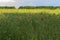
[6, 0]
[34, 2]
[42, 2]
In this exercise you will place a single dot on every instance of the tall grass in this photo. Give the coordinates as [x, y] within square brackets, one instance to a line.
[38, 26]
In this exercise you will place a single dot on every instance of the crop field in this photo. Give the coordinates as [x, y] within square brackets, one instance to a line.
[33, 11]
[29, 24]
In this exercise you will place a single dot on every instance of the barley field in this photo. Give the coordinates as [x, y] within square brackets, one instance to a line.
[29, 24]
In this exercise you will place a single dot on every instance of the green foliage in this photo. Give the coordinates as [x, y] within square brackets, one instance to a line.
[29, 26]
[39, 7]
[32, 7]
[7, 7]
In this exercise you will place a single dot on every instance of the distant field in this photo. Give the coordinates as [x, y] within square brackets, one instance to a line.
[29, 24]
[33, 11]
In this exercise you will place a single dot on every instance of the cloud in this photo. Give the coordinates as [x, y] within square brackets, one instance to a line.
[7, 1]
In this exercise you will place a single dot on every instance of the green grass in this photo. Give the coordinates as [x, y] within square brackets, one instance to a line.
[29, 26]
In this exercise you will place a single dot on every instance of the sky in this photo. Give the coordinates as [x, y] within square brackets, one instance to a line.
[43, 3]
[6, 1]
[33, 2]
[40, 2]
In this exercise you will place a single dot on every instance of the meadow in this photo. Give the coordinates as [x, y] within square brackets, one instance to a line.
[30, 24]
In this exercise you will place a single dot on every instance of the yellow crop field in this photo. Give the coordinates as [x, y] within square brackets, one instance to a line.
[31, 11]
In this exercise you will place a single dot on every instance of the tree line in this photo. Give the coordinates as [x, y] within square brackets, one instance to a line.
[32, 7]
